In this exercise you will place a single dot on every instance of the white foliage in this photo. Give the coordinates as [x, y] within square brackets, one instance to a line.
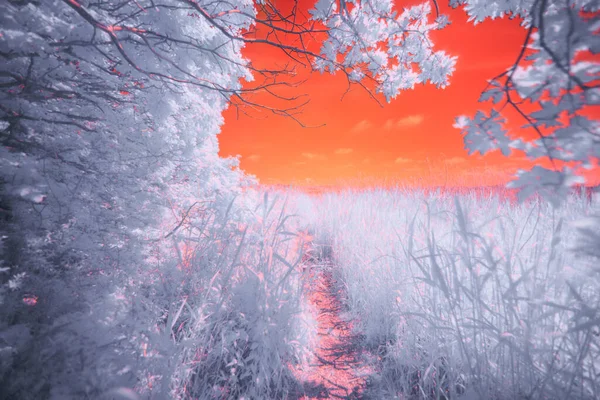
[551, 185]
[555, 77]
[358, 33]
[16, 281]
[109, 124]
[100, 144]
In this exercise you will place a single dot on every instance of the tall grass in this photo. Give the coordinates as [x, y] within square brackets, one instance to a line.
[457, 294]
[466, 295]
[237, 322]
[214, 311]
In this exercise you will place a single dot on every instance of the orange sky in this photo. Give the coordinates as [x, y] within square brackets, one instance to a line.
[410, 139]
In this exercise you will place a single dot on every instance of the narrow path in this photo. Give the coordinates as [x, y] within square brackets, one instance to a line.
[338, 370]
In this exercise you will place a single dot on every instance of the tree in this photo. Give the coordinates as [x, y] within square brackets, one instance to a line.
[101, 134]
[553, 86]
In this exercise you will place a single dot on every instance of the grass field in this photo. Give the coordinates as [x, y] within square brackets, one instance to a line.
[380, 293]
[466, 293]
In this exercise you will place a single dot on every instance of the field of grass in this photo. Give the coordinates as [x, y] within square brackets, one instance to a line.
[466, 294]
[359, 294]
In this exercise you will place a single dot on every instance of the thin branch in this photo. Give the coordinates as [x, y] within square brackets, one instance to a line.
[187, 213]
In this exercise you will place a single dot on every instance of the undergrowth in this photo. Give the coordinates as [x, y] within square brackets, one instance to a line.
[469, 297]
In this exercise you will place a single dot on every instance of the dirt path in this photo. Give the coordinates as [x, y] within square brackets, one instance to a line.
[338, 371]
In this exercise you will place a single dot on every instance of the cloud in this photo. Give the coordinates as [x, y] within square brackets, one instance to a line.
[314, 156]
[405, 122]
[343, 151]
[455, 160]
[361, 126]
[253, 157]
[411, 120]
[401, 160]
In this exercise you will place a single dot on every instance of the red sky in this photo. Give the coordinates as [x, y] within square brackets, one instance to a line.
[410, 139]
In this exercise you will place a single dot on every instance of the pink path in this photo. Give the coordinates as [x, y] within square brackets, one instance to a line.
[338, 370]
